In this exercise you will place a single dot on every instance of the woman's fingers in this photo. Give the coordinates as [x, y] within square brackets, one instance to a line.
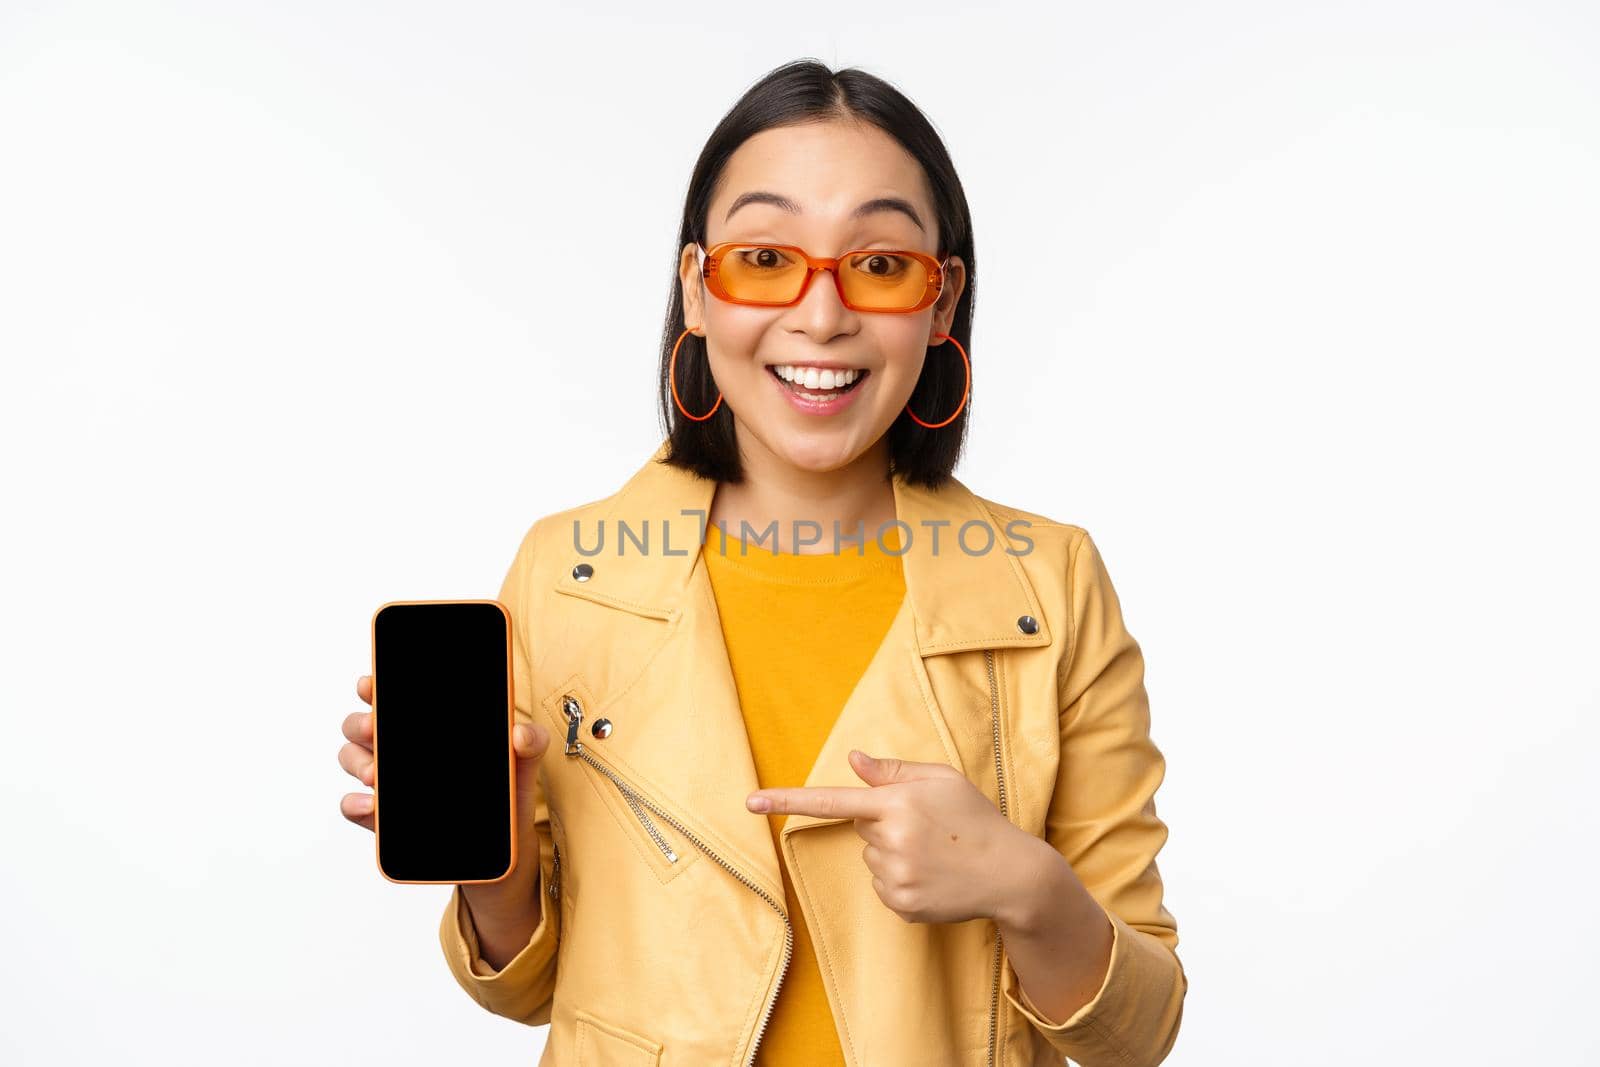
[358, 727]
[529, 741]
[356, 757]
[357, 760]
[357, 807]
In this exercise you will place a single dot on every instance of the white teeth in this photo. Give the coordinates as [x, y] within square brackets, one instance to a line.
[813, 378]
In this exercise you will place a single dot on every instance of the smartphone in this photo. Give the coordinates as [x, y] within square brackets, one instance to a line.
[444, 771]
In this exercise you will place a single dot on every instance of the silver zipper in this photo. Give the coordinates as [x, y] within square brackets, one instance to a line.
[1000, 785]
[574, 714]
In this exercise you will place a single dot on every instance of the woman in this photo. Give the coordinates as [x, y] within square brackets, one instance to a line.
[794, 602]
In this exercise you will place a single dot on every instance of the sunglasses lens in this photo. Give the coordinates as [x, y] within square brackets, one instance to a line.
[883, 281]
[874, 281]
[761, 274]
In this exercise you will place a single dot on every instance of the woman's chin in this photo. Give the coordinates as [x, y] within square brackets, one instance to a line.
[817, 450]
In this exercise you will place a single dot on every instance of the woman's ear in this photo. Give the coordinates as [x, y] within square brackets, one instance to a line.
[944, 309]
[693, 289]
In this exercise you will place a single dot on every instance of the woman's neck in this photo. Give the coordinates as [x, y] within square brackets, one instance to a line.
[793, 501]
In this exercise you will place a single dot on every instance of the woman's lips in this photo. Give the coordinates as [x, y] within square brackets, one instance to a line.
[833, 404]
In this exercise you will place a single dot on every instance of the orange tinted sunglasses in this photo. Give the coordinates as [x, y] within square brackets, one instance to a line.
[867, 279]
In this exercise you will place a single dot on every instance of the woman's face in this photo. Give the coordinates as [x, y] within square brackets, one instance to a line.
[826, 170]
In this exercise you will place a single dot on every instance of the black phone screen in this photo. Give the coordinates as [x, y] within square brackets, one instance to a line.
[442, 741]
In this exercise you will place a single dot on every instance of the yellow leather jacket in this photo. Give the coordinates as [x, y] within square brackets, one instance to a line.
[665, 938]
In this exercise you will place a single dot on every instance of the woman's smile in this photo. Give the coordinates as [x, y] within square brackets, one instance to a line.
[817, 390]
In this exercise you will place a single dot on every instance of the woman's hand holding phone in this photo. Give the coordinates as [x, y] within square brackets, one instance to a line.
[504, 913]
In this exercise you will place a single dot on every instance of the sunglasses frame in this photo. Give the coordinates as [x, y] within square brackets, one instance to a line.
[711, 260]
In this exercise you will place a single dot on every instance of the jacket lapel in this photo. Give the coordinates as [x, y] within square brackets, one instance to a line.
[678, 733]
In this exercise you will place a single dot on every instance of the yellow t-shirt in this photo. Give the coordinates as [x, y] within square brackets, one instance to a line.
[800, 630]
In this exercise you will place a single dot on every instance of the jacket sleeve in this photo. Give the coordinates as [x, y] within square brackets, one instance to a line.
[1102, 818]
[524, 988]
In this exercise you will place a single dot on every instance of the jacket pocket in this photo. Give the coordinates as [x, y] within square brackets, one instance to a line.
[603, 1044]
[660, 847]
[654, 841]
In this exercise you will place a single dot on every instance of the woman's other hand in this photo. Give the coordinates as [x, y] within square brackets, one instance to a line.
[933, 842]
[529, 741]
[505, 913]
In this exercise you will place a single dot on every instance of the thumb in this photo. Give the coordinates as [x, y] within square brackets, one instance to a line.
[888, 770]
[876, 771]
[530, 740]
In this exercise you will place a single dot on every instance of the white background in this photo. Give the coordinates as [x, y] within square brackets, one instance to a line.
[1293, 306]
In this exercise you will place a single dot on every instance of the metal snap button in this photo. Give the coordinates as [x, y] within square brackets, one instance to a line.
[1028, 624]
[601, 728]
[582, 572]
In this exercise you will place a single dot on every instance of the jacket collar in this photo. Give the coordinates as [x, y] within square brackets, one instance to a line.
[960, 600]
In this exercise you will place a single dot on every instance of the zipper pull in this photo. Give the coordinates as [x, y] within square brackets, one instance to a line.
[555, 873]
[574, 713]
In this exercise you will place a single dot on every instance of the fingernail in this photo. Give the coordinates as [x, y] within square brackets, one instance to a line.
[758, 803]
[364, 805]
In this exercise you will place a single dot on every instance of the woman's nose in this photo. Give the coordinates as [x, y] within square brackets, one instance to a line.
[820, 312]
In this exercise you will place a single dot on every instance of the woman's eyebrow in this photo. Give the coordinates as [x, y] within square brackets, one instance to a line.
[882, 203]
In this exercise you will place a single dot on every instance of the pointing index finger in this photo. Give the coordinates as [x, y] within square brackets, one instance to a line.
[826, 802]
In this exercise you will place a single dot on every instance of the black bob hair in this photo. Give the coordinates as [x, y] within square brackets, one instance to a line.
[796, 93]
